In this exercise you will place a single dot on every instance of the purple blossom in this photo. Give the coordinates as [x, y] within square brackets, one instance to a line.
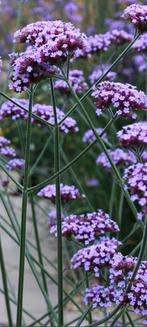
[120, 37]
[68, 193]
[137, 15]
[4, 142]
[77, 81]
[86, 228]
[28, 67]
[141, 44]
[52, 217]
[15, 164]
[97, 256]
[71, 10]
[100, 296]
[125, 98]
[99, 42]
[9, 109]
[89, 136]
[47, 113]
[8, 152]
[140, 63]
[134, 134]
[119, 157]
[99, 71]
[144, 156]
[136, 179]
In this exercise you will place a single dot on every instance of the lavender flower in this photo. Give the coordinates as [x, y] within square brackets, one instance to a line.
[68, 193]
[137, 15]
[119, 157]
[99, 71]
[77, 81]
[134, 134]
[47, 113]
[89, 136]
[4, 142]
[9, 109]
[95, 257]
[15, 164]
[87, 227]
[141, 44]
[136, 178]
[28, 67]
[125, 98]
[8, 152]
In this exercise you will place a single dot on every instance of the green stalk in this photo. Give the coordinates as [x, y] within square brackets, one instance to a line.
[116, 318]
[24, 215]
[58, 211]
[11, 177]
[6, 291]
[39, 157]
[121, 201]
[112, 197]
[87, 286]
[123, 53]
[71, 163]
[130, 319]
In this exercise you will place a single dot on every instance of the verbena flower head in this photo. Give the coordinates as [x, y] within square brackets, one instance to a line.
[15, 164]
[121, 270]
[141, 44]
[140, 63]
[99, 71]
[61, 39]
[99, 43]
[136, 179]
[28, 67]
[94, 257]
[8, 152]
[144, 156]
[77, 81]
[137, 15]
[9, 109]
[52, 217]
[68, 193]
[125, 98]
[134, 134]
[4, 142]
[100, 296]
[89, 136]
[47, 113]
[86, 228]
[120, 37]
[119, 157]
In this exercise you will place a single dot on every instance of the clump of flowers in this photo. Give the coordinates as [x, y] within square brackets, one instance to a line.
[119, 157]
[52, 217]
[136, 178]
[125, 98]
[99, 43]
[9, 109]
[47, 113]
[99, 71]
[100, 296]
[141, 44]
[68, 193]
[8, 152]
[27, 68]
[89, 136]
[140, 63]
[15, 164]
[4, 142]
[94, 257]
[137, 15]
[134, 134]
[86, 228]
[119, 37]
[77, 81]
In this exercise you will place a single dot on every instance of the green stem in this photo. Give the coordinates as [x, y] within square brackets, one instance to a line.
[58, 211]
[130, 319]
[6, 291]
[112, 197]
[39, 157]
[89, 312]
[121, 201]
[24, 215]
[116, 318]
[11, 177]
[71, 163]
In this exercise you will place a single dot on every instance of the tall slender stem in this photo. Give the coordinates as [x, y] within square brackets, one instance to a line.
[58, 211]
[6, 291]
[24, 216]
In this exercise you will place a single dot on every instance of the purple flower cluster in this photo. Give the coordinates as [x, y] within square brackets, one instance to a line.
[15, 164]
[89, 136]
[120, 37]
[140, 63]
[29, 67]
[77, 81]
[8, 152]
[134, 134]
[4, 142]
[47, 113]
[94, 257]
[68, 193]
[119, 157]
[9, 109]
[100, 296]
[125, 98]
[71, 9]
[137, 14]
[52, 217]
[136, 178]
[141, 44]
[121, 270]
[99, 71]
[86, 227]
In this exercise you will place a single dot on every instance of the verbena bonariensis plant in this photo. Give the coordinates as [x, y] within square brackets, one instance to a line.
[110, 278]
